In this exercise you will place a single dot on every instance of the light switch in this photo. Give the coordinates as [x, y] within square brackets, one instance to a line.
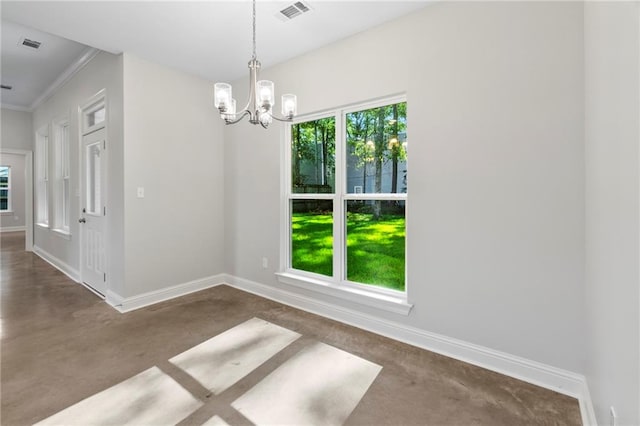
[140, 192]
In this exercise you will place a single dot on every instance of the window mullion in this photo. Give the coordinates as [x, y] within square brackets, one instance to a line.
[375, 196]
[338, 204]
[285, 183]
[306, 196]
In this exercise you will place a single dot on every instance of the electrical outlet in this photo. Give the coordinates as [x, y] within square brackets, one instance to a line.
[612, 417]
[265, 263]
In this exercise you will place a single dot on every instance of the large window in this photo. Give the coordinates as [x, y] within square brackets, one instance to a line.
[42, 177]
[62, 177]
[5, 188]
[346, 198]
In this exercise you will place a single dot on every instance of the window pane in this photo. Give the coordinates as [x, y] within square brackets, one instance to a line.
[376, 243]
[377, 150]
[313, 147]
[4, 176]
[4, 199]
[45, 157]
[65, 151]
[41, 172]
[65, 203]
[312, 236]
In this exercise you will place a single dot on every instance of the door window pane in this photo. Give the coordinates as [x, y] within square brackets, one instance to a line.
[93, 178]
[377, 150]
[96, 117]
[312, 236]
[313, 147]
[376, 242]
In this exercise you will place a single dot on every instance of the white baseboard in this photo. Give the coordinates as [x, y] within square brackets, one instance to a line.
[126, 304]
[556, 379]
[13, 228]
[58, 264]
[587, 411]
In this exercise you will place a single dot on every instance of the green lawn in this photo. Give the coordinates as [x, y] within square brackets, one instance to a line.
[312, 242]
[375, 249]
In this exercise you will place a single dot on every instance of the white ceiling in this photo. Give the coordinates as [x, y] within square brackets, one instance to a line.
[211, 39]
[30, 72]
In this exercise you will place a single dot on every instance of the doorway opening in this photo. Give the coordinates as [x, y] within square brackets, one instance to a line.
[16, 193]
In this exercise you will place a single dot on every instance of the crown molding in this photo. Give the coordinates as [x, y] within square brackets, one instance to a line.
[76, 66]
[15, 107]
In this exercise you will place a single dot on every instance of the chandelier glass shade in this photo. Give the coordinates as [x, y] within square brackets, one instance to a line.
[261, 103]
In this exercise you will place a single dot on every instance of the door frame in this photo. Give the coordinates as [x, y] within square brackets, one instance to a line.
[99, 99]
[28, 195]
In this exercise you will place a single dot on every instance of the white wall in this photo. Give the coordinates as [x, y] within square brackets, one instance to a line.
[103, 72]
[162, 135]
[173, 148]
[496, 192]
[16, 130]
[612, 113]
[16, 217]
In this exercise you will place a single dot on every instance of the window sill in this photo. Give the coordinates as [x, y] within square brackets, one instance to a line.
[396, 305]
[62, 233]
[43, 225]
[6, 213]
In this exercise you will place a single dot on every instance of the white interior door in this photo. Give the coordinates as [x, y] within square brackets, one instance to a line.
[93, 263]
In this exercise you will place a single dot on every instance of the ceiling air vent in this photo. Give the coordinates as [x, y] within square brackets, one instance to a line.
[296, 9]
[32, 44]
[303, 7]
[6, 87]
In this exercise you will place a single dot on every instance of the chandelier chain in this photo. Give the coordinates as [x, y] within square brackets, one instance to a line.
[254, 30]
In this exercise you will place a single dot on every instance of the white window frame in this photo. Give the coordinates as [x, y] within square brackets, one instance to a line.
[373, 296]
[62, 192]
[9, 208]
[42, 177]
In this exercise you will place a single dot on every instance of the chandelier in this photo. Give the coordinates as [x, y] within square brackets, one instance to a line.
[261, 101]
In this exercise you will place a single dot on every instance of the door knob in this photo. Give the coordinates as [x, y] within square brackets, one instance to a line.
[83, 220]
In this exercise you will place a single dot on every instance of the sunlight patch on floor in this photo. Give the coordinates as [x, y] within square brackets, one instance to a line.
[320, 385]
[149, 398]
[223, 360]
[215, 421]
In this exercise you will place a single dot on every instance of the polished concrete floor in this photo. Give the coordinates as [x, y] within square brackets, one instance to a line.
[61, 344]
